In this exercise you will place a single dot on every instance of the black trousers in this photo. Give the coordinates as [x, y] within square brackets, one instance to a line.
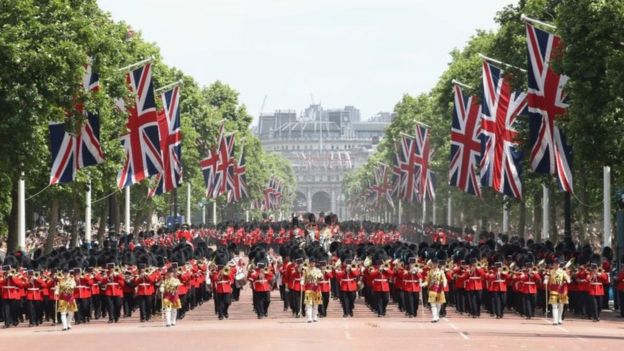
[411, 302]
[498, 302]
[35, 312]
[145, 306]
[128, 304]
[322, 308]
[10, 312]
[296, 302]
[113, 308]
[223, 301]
[347, 300]
[235, 292]
[284, 296]
[621, 302]
[474, 301]
[528, 302]
[96, 305]
[460, 300]
[84, 310]
[261, 301]
[382, 299]
[595, 306]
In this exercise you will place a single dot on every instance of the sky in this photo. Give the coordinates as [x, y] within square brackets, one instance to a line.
[365, 53]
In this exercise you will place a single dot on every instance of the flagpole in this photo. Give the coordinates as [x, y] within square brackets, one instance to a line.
[137, 64]
[524, 18]
[501, 63]
[424, 210]
[214, 212]
[456, 82]
[505, 216]
[606, 213]
[204, 214]
[545, 213]
[400, 210]
[88, 213]
[433, 211]
[188, 203]
[21, 213]
[127, 210]
[449, 213]
[168, 86]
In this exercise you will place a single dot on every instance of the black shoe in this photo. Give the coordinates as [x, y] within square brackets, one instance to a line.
[110, 321]
[344, 315]
[259, 317]
[266, 314]
[220, 318]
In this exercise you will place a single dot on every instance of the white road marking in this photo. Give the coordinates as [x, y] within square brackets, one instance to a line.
[462, 334]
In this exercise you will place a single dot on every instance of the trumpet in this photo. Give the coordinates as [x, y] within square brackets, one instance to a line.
[226, 270]
[116, 271]
[505, 269]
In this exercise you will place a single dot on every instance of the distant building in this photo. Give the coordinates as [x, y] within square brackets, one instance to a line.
[385, 117]
[322, 145]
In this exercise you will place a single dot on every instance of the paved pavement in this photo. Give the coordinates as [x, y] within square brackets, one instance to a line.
[242, 331]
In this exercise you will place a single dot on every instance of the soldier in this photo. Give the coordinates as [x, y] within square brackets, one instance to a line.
[597, 279]
[222, 280]
[325, 287]
[412, 279]
[497, 286]
[620, 288]
[83, 296]
[312, 275]
[261, 280]
[557, 283]
[66, 301]
[435, 282]
[34, 298]
[113, 284]
[144, 282]
[347, 276]
[170, 299]
[529, 278]
[11, 284]
[380, 275]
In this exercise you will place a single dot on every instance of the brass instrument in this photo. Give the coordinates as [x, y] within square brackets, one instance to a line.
[569, 263]
[179, 270]
[226, 270]
[36, 275]
[505, 269]
[385, 266]
[12, 272]
[116, 271]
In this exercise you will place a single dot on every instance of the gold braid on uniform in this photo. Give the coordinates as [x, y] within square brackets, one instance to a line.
[435, 283]
[66, 301]
[557, 293]
[313, 276]
[170, 295]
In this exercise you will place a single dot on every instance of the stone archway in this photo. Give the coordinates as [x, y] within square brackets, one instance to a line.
[301, 202]
[321, 202]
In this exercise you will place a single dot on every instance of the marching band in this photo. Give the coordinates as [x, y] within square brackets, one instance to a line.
[80, 285]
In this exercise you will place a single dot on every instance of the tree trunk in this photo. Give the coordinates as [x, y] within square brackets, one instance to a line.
[521, 219]
[553, 215]
[12, 237]
[54, 221]
[115, 213]
[537, 215]
[102, 222]
[75, 227]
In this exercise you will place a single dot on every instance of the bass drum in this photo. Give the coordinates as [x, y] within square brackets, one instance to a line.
[240, 279]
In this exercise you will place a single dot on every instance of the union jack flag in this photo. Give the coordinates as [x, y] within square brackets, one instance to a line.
[170, 143]
[73, 152]
[225, 152]
[547, 101]
[465, 143]
[142, 143]
[426, 181]
[238, 186]
[272, 194]
[407, 158]
[209, 168]
[500, 164]
[383, 186]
